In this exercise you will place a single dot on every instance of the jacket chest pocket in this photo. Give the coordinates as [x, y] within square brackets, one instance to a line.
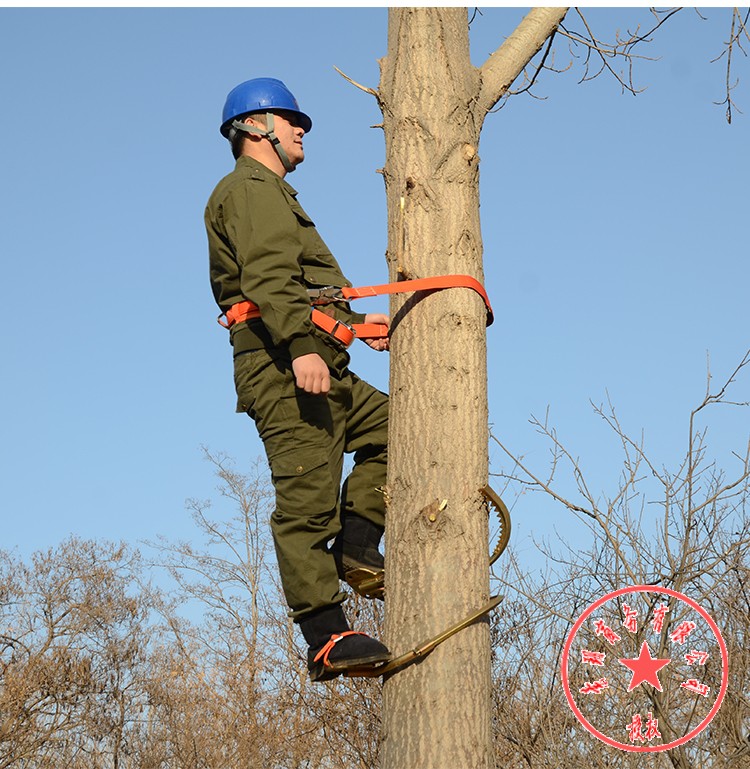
[319, 265]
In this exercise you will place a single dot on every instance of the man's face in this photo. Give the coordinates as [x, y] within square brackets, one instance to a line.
[289, 133]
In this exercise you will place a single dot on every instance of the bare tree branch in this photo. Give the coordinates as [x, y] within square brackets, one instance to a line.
[508, 61]
[364, 88]
[737, 32]
[606, 53]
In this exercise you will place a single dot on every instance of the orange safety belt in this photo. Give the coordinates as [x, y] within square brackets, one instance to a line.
[338, 329]
[342, 331]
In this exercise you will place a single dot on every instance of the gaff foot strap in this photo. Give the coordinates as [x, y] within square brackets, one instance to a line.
[328, 648]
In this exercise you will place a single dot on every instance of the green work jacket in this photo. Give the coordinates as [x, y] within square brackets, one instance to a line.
[264, 248]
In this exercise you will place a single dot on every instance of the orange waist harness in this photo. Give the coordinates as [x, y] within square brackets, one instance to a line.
[343, 332]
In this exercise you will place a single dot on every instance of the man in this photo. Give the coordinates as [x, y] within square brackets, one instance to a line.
[292, 377]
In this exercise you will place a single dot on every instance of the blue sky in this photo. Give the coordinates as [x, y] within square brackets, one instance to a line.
[615, 233]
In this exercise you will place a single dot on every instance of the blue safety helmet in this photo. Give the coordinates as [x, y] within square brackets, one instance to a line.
[262, 94]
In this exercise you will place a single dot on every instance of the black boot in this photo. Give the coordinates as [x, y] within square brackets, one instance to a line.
[358, 560]
[334, 648]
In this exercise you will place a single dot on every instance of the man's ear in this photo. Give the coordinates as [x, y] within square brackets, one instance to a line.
[256, 121]
[251, 121]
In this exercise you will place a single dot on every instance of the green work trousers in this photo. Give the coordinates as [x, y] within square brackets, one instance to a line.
[305, 437]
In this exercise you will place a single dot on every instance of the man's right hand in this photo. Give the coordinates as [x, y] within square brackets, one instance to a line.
[311, 373]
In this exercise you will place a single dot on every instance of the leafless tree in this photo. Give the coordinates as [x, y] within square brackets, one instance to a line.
[685, 529]
[243, 660]
[73, 656]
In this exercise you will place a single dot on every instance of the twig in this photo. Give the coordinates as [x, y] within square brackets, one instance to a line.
[364, 88]
[735, 38]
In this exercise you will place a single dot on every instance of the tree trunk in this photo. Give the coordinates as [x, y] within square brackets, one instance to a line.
[436, 714]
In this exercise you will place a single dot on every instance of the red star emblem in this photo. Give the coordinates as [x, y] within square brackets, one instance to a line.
[645, 668]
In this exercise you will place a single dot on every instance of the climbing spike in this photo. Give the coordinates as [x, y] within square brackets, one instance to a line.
[426, 647]
[503, 516]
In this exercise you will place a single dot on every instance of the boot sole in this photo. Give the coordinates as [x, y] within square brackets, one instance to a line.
[321, 672]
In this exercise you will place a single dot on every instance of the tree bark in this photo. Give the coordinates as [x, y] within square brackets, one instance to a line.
[436, 714]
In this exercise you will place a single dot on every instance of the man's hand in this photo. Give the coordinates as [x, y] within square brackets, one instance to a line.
[377, 344]
[311, 374]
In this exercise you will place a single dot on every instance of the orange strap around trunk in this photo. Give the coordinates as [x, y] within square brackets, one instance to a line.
[345, 333]
[422, 284]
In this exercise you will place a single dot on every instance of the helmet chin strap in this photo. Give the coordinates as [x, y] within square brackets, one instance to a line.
[268, 134]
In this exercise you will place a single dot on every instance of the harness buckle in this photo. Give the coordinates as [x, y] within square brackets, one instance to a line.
[325, 295]
[342, 332]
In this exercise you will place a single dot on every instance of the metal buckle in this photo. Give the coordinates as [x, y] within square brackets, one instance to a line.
[325, 295]
[351, 335]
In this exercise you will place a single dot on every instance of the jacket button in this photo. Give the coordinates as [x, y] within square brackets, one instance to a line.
[300, 469]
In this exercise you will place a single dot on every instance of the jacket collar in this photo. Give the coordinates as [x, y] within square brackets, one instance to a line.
[263, 172]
